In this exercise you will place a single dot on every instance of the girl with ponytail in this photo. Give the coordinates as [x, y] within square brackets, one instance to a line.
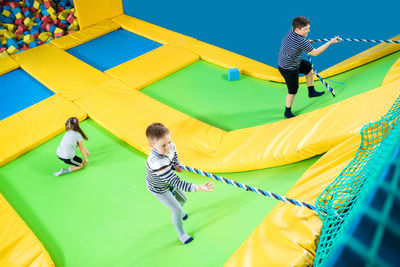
[66, 150]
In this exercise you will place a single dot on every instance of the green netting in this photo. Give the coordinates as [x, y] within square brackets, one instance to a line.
[337, 201]
[371, 233]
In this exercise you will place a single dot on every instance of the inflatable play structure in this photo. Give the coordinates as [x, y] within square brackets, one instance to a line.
[118, 74]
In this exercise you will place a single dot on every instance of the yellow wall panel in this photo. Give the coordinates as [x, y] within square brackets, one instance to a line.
[90, 12]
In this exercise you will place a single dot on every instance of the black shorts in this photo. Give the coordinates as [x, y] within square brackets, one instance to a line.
[292, 76]
[76, 161]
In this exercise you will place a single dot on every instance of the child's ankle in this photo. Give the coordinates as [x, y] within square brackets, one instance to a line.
[288, 113]
[185, 238]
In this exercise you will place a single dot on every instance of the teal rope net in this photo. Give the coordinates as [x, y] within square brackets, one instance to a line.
[338, 202]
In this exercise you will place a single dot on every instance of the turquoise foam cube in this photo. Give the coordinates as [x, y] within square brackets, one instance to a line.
[233, 74]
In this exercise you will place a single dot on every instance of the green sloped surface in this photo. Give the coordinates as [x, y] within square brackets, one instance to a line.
[104, 216]
[202, 90]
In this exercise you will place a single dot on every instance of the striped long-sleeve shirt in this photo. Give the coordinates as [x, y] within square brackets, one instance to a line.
[160, 172]
[292, 47]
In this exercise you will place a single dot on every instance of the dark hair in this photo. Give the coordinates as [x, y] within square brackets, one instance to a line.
[73, 124]
[156, 131]
[300, 22]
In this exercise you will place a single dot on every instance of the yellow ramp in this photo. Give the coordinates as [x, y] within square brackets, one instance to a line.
[288, 236]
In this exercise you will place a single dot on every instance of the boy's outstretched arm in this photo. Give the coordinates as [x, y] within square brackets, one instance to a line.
[207, 187]
[322, 48]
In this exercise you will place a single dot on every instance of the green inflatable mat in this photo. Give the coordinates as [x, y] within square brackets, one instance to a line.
[103, 215]
[202, 90]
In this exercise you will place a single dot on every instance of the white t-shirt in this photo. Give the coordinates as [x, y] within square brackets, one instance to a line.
[66, 149]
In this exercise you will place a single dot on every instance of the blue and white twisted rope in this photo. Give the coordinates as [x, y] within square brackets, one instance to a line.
[358, 40]
[348, 40]
[249, 188]
[322, 79]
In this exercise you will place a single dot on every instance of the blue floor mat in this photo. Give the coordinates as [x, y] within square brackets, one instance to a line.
[113, 49]
[18, 91]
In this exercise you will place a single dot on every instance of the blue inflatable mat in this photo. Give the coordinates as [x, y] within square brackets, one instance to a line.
[113, 49]
[18, 91]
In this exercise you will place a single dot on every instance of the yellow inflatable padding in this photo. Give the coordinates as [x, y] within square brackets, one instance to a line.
[19, 247]
[151, 31]
[90, 12]
[206, 51]
[302, 137]
[305, 136]
[7, 64]
[153, 66]
[259, 70]
[35, 125]
[200, 145]
[126, 113]
[227, 59]
[362, 58]
[61, 72]
[288, 236]
[393, 74]
[86, 34]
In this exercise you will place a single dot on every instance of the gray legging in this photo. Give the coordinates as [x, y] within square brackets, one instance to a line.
[174, 203]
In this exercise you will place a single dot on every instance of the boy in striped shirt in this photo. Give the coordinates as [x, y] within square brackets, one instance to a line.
[162, 181]
[291, 64]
